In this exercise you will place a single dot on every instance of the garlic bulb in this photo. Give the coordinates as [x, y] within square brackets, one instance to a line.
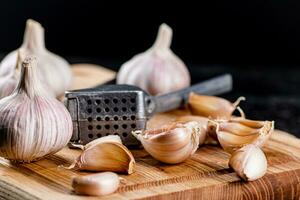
[9, 82]
[238, 132]
[157, 70]
[54, 70]
[213, 107]
[33, 124]
[105, 154]
[249, 162]
[96, 184]
[173, 143]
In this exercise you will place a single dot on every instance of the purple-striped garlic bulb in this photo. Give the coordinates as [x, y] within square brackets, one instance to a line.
[157, 70]
[33, 124]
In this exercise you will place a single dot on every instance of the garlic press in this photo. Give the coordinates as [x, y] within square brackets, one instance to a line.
[120, 109]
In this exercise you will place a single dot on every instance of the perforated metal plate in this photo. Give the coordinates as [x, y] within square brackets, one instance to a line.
[107, 113]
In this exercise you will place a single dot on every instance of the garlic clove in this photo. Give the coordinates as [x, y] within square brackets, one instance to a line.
[53, 70]
[203, 125]
[173, 143]
[235, 133]
[105, 155]
[249, 162]
[98, 184]
[213, 107]
[33, 124]
[231, 142]
[157, 70]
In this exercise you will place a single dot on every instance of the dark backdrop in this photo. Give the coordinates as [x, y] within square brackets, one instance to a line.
[209, 31]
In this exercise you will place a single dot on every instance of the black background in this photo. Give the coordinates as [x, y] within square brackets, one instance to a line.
[209, 32]
[257, 41]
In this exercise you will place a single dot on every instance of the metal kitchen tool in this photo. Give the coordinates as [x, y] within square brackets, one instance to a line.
[119, 109]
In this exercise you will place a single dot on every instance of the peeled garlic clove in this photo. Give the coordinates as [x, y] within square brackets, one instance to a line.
[53, 70]
[213, 107]
[96, 184]
[33, 124]
[173, 143]
[203, 125]
[105, 155]
[157, 70]
[249, 162]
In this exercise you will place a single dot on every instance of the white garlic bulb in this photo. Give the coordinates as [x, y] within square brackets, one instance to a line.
[54, 70]
[249, 162]
[157, 70]
[173, 143]
[33, 123]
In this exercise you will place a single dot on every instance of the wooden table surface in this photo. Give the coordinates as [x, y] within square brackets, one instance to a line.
[205, 175]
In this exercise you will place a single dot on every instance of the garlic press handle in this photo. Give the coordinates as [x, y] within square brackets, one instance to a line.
[173, 100]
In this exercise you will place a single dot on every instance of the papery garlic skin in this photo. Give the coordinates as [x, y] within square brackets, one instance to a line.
[157, 70]
[33, 124]
[54, 70]
[98, 184]
[249, 162]
[173, 143]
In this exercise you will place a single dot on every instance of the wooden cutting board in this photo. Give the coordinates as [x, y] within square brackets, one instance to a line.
[204, 176]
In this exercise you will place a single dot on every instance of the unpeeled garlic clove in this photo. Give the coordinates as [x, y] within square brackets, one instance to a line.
[96, 184]
[249, 162]
[105, 154]
[238, 132]
[33, 124]
[157, 70]
[53, 70]
[213, 107]
[173, 143]
[202, 122]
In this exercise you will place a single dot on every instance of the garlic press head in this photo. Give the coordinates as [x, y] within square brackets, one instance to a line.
[108, 110]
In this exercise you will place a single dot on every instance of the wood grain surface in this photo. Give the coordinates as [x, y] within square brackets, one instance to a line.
[205, 175]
